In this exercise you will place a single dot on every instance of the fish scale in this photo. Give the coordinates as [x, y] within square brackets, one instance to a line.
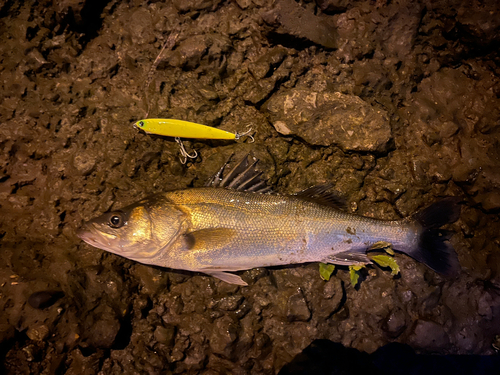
[306, 232]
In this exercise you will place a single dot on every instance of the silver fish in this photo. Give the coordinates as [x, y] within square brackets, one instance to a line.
[233, 224]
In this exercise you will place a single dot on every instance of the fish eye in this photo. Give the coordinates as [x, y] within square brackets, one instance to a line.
[140, 123]
[116, 221]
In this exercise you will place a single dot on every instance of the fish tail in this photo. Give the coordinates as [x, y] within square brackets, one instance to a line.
[433, 248]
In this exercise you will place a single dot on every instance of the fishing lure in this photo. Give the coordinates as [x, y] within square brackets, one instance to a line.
[182, 129]
[185, 129]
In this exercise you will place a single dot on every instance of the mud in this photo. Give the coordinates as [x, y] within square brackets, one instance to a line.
[416, 87]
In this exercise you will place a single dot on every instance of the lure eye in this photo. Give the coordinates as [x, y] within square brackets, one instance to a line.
[140, 123]
[116, 221]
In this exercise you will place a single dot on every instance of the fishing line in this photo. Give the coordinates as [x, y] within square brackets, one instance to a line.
[169, 43]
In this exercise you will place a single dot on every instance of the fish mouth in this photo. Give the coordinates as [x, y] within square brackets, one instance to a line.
[93, 236]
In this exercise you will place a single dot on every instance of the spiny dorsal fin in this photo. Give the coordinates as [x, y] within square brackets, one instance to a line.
[241, 177]
[319, 194]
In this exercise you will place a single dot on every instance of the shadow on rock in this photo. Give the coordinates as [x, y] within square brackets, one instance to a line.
[327, 357]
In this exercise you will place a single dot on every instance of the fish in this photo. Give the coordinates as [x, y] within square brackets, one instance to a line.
[182, 129]
[236, 222]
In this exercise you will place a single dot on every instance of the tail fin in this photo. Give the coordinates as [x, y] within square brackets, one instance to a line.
[433, 248]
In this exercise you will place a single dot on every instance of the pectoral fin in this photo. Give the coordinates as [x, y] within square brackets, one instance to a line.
[227, 277]
[207, 239]
[347, 258]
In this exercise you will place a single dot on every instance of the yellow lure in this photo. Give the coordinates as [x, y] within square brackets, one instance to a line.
[182, 129]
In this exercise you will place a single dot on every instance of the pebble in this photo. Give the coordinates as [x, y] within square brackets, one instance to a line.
[297, 309]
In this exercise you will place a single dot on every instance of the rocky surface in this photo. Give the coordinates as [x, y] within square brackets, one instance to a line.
[418, 86]
[326, 119]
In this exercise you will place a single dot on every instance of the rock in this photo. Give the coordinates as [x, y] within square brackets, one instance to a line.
[140, 26]
[429, 336]
[270, 59]
[230, 303]
[38, 333]
[297, 309]
[193, 49]
[490, 201]
[81, 364]
[43, 299]
[102, 326]
[395, 323]
[73, 7]
[244, 4]
[327, 118]
[165, 335]
[301, 23]
[189, 52]
[84, 164]
[324, 306]
[481, 21]
[448, 129]
[223, 336]
[331, 6]
[191, 5]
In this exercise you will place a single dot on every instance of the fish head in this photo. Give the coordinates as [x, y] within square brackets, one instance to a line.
[138, 232]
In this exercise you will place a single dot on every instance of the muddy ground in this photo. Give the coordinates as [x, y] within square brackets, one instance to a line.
[395, 103]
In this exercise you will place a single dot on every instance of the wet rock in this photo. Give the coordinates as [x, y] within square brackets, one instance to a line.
[300, 22]
[448, 129]
[74, 7]
[401, 30]
[230, 303]
[224, 335]
[429, 336]
[44, 299]
[84, 164]
[296, 308]
[38, 333]
[331, 301]
[195, 356]
[244, 4]
[83, 364]
[191, 50]
[140, 25]
[102, 326]
[395, 323]
[180, 347]
[267, 61]
[165, 335]
[326, 118]
[331, 6]
[490, 201]
[190, 5]
[480, 21]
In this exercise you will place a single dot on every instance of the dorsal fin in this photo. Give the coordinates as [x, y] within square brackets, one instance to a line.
[319, 194]
[243, 176]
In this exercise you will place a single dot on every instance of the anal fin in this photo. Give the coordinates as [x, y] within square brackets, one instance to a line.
[227, 277]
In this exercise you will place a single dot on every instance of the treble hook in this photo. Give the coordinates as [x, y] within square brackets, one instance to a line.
[184, 153]
[245, 134]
